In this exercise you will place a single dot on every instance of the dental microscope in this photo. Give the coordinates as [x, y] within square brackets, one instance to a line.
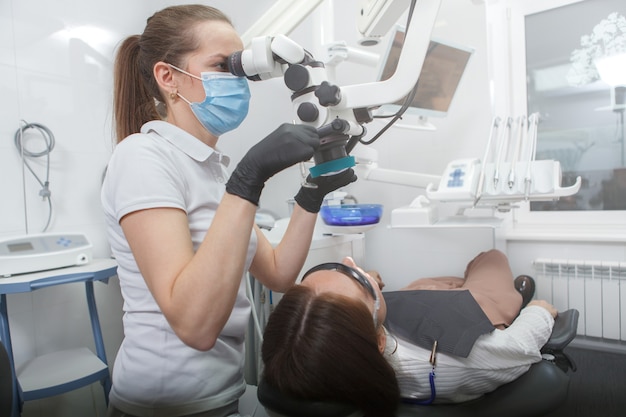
[339, 113]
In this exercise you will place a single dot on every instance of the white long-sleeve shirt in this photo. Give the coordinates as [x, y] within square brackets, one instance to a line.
[496, 359]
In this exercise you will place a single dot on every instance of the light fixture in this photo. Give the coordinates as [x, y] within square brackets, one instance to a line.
[612, 70]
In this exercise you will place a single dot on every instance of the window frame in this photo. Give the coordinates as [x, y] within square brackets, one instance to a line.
[508, 79]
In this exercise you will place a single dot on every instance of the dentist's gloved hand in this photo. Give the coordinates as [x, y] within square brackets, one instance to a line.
[311, 199]
[284, 147]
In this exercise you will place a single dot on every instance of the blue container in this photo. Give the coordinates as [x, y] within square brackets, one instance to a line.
[351, 214]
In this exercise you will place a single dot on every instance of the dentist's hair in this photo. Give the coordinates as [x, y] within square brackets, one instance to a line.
[169, 36]
[323, 347]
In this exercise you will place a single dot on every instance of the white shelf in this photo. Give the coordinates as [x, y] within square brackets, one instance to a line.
[58, 372]
[457, 222]
[59, 368]
[616, 107]
[565, 233]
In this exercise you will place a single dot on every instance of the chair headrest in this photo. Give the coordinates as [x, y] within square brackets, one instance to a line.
[273, 399]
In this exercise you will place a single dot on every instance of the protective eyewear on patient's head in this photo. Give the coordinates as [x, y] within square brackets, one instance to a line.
[352, 273]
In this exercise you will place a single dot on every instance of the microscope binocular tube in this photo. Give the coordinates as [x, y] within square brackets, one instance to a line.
[313, 97]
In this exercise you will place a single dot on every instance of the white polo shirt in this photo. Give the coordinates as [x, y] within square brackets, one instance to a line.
[155, 373]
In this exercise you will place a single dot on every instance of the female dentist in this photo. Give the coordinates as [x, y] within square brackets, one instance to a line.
[184, 236]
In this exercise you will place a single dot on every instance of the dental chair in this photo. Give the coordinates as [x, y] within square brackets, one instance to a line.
[536, 393]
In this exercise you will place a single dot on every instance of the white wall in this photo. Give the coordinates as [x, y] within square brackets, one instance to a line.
[61, 80]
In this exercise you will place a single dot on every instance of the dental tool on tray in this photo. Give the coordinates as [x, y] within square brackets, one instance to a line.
[494, 128]
[502, 150]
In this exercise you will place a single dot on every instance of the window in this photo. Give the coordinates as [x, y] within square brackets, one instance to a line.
[556, 50]
[581, 113]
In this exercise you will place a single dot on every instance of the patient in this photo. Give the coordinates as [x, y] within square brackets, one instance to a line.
[326, 341]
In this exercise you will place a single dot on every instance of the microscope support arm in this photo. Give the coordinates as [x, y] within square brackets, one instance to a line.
[393, 176]
[333, 101]
[416, 43]
[282, 17]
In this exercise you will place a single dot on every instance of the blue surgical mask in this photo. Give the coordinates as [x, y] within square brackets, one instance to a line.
[226, 103]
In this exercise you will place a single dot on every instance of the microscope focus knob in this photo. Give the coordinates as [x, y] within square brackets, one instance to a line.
[308, 112]
[328, 94]
[297, 77]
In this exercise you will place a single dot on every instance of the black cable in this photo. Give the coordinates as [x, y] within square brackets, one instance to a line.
[395, 117]
[407, 101]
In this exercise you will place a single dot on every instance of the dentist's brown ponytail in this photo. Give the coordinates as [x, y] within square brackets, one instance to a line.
[168, 37]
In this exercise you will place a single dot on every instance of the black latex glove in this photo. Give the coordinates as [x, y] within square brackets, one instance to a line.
[311, 199]
[284, 147]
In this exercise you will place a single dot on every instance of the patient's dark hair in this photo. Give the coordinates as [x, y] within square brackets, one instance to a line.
[323, 347]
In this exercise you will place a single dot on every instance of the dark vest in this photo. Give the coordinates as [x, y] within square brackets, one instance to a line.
[452, 318]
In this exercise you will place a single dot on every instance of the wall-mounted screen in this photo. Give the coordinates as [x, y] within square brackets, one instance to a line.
[439, 79]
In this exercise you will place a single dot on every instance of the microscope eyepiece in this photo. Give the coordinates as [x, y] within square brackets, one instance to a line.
[234, 64]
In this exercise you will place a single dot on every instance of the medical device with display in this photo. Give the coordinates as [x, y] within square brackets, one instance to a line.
[40, 252]
[339, 113]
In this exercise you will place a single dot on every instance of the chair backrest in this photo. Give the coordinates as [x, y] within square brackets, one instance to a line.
[6, 383]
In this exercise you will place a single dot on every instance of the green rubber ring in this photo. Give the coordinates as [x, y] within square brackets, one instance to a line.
[335, 165]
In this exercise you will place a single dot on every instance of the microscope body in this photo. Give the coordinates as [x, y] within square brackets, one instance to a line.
[313, 97]
[339, 113]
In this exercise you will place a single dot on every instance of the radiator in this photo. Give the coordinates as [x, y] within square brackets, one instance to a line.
[597, 289]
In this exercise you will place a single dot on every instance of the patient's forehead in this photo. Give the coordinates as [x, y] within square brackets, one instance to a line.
[333, 281]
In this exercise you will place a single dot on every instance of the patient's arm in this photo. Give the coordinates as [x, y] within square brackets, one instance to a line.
[531, 329]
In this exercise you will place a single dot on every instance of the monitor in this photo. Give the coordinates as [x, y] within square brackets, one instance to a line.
[442, 70]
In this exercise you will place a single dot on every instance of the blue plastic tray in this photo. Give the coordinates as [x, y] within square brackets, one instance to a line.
[351, 214]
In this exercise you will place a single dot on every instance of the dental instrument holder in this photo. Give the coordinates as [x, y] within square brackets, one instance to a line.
[503, 180]
[420, 212]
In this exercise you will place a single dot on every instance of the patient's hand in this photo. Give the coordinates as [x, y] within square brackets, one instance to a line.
[543, 303]
[377, 278]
